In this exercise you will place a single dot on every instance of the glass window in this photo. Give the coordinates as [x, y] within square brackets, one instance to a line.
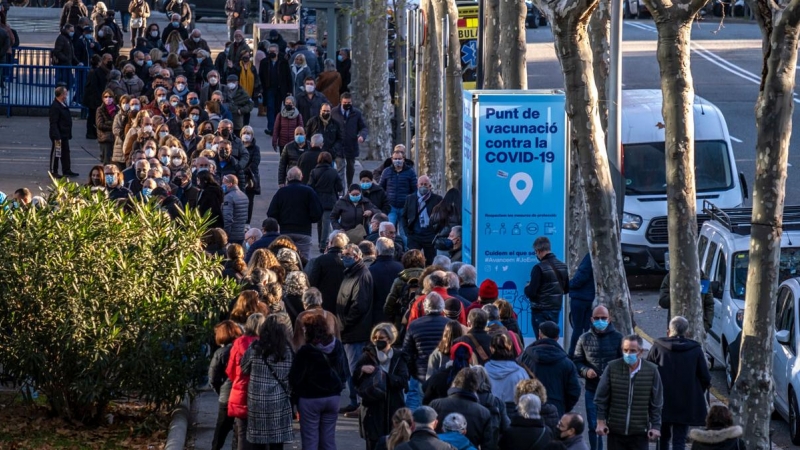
[722, 270]
[712, 250]
[788, 267]
[645, 167]
[701, 246]
[784, 297]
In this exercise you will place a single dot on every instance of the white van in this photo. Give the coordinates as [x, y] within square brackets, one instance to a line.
[644, 217]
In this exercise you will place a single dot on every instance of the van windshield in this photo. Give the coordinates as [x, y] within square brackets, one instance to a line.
[645, 167]
[789, 267]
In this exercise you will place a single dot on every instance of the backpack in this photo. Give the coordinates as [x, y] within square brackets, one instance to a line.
[411, 290]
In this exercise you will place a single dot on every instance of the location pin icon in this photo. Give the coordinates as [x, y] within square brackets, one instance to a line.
[521, 194]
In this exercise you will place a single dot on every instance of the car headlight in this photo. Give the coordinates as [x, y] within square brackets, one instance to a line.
[631, 221]
[740, 317]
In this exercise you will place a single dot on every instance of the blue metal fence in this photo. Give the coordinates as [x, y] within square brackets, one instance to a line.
[30, 81]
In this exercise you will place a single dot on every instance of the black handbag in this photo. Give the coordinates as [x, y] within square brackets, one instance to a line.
[372, 387]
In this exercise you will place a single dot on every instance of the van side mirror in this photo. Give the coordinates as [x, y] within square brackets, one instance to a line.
[716, 289]
[783, 337]
[743, 184]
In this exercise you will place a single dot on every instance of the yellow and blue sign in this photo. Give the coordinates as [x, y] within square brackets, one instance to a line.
[516, 184]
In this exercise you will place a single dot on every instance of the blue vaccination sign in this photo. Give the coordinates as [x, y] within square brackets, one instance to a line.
[515, 177]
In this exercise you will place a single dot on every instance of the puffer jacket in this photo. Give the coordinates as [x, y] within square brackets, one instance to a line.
[422, 337]
[549, 362]
[346, 215]
[547, 287]
[331, 134]
[118, 129]
[234, 214]
[326, 182]
[237, 401]
[283, 130]
[216, 373]
[239, 103]
[354, 304]
[133, 86]
[378, 197]
[392, 309]
[290, 155]
[399, 185]
[105, 125]
[594, 350]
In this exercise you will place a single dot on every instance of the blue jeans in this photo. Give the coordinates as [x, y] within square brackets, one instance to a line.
[353, 352]
[595, 442]
[272, 111]
[675, 431]
[580, 317]
[414, 395]
[125, 18]
[543, 315]
[394, 216]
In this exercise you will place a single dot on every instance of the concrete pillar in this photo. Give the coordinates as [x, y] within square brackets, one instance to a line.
[344, 29]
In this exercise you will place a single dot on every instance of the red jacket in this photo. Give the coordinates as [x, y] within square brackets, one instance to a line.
[237, 402]
[418, 311]
[283, 130]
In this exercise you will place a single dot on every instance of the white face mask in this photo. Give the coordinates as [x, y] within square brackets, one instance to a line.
[310, 88]
[154, 33]
[149, 152]
[213, 80]
[231, 86]
[188, 131]
[148, 128]
[180, 86]
[247, 137]
[177, 161]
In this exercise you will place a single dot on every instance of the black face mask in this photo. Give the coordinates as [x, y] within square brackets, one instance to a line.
[109, 65]
[289, 107]
[224, 154]
[347, 107]
[225, 133]
[272, 55]
[381, 345]
[326, 115]
[96, 181]
[128, 75]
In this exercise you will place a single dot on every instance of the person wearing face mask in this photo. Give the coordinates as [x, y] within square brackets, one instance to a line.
[354, 132]
[329, 129]
[248, 81]
[129, 174]
[228, 164]
[121, 121]
[299, 72]
[104, 119]
[378, 355]
[416, 218]
[204, 65]
[141, 168]
[581, 298]
[594, 351]
[343, 65]
[153, 37]
[251, 172]
[310, 102]
[131, 83]
[276, 82]
[291, 153]
[629, 399]
[196, 42]
[182, 9]
[286, 123]
[181, 88]
[140, 132]
[308, 158]
[64, 54]
[86, 46]
[189, 139]
[98, 15]
[60, 134]
[238, 101]
[109, 45]
[97, 179]
[352, 213]
[548, 285]
[234, 208]
[570, 431]
[115, 83]
[139, 11]
[113, 182]
[187, 192]
[175, 25]
[211, 84]
[374, 192]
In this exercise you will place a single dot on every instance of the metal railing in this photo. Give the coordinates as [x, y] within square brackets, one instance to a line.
[30, 80]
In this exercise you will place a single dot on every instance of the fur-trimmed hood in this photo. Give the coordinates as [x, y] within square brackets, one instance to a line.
[715, 436]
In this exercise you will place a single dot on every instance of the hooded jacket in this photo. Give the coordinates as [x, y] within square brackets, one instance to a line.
[724, 439]
[319, 371]
[549, 362]
[685, 377]
[479, 419]
[504, 376]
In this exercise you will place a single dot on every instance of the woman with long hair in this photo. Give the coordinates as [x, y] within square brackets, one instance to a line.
[269, 409]
[263, 259]
[225, 333]
[235, 266]
[440, 357]
[245, 305]
[96, 178]
[174, 44]
[318, 376]
[251, 172]
[402, 425]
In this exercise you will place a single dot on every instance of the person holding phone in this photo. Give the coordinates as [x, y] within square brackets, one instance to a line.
[629, 399]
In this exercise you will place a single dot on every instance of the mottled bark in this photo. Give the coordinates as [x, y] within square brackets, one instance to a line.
[599, 34]
[492, 63]
[454, 107]
[569, 20]
[751, 400]
[430, 102]
[578, 234]
[359, 52]
[514, 69]
[674, 23]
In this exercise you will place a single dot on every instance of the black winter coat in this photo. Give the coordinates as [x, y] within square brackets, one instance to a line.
[295, 207]
[422, 337]
[60, 121]
[424, 439]
[547, 287]
[331, 134]
[290, 155]
[549, 362]
[308, 161]
[594, 350]
[484, 340]
[309, 108]
[469, 292]
[479, 419]
[352, 127]
[376, 417]
[346, 215]
[384, 270]
[411, 217]
[326, 182]
[327, 274]
[63, 51]
[685, 377]
[526, 434]
[724, 439]
[354, 304]
[377, 196]
[210, 199]
[316, 373]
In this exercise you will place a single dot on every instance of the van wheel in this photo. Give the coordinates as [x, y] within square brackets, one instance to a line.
[794, 419]
[730, 371]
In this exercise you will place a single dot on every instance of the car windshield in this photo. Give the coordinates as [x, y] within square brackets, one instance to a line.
[645, 167]
[789, 267]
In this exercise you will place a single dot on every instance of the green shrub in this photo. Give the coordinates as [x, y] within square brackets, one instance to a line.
[97, 302]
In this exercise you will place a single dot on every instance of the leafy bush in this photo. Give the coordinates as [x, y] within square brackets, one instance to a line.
[96, 302]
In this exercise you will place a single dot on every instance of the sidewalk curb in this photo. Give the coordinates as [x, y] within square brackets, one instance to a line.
[179, 425]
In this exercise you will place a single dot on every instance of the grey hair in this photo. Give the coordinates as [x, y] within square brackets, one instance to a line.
[294, 174]
[330, 66]
[384, 226]
[338, 239]
[224, 121]
[678, 326]
[541, 244]
[491, 311]
[455, 266]
[385, 246]
[354, 248]
[452, 281]
[312, 297]
[443, 261]
[317, 140]
[529, 406]
[434, 303]
[438, 279]
[253, 323]
[386, 328]
[468, 274]
[457, 230]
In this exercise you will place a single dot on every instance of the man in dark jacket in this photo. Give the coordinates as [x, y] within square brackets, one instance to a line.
[60, 134]
[581, 297]
[374, 192]
[424, 436]
[310, 103]
[354, 310]
[468, 276]
[462, 398]
[416, 218]
[175, 24]
[64, 55]
[235, 10]
[421, 339]
[629, 399]
[329, 129]
[326, 272]
[384, 271]
[296, 207]
[477, 338]
[684, 374]
[549, 362]
[594, 350]
[308, 158]
[354, 132]
[399, 181]
[276, 82]
[271, 230]
[181, 8]
[549, 283]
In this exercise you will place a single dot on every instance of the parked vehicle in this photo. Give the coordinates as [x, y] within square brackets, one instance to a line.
[785, 364]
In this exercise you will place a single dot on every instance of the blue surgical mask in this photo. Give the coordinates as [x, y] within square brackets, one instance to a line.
[195, 118]
[71, 33]
[149, 63]
[300, 139]
[339, 58]
[146, 192]
[630, 358]
[600, 325]
[175, 24]
[194, 101]
[165, 160]
[348, 261]
[247, 246]
[366, 185]
[224, 188]
[355, 198]
[424, 190]
[110, 179]
[166, 179]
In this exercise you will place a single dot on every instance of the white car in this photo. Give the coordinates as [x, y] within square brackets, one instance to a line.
[785, 365]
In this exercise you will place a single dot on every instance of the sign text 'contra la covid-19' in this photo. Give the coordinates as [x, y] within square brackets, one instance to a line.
[515, 186]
